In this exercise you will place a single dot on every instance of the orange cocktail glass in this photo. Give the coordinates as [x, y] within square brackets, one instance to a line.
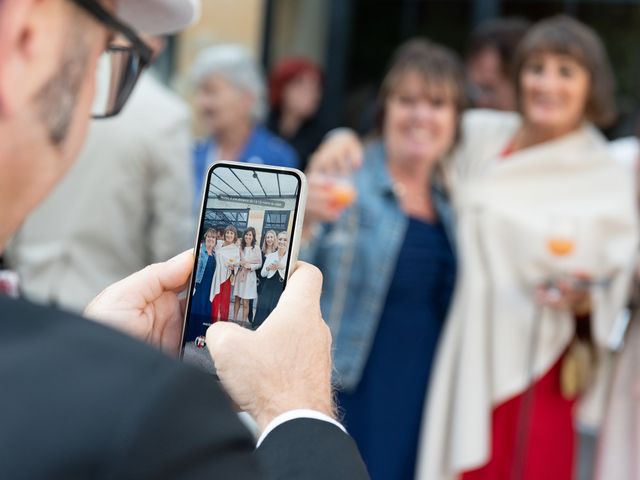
[344, 194]
[561, 246]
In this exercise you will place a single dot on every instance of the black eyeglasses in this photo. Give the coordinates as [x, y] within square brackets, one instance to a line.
[119, 67]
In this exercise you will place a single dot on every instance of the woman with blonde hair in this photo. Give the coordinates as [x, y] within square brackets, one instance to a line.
[273, 275]
[270, 243]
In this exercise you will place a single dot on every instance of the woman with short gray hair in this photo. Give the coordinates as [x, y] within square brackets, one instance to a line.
[230, 103]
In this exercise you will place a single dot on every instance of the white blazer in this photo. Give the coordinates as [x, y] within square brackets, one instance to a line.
[274, 258]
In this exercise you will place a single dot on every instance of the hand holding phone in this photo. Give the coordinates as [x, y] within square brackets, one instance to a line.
[258, 369]
[145, 305]
[243, 204]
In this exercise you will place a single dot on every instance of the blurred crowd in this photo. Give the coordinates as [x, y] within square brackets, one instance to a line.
[478, 245]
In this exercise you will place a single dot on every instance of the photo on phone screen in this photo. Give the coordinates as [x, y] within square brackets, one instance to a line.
[242, 259]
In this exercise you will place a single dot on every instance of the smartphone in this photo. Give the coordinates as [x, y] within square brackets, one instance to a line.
[246, 246]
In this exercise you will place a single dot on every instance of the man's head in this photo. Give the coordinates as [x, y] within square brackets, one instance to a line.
[490, 54]
[49, 54]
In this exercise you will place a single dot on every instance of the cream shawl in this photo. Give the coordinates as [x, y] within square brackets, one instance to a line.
[227, 258]
[503, 210]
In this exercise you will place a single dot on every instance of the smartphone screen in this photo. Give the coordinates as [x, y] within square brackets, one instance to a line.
[243, 255]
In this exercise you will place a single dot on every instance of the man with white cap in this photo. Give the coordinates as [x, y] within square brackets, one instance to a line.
[80, 400]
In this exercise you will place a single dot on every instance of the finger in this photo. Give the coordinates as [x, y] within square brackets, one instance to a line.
[222, 334]
[357, 158]
[582, 275]
[302, 295]
[564, 286]
[351, 153]
[305, 281]
[171, 275]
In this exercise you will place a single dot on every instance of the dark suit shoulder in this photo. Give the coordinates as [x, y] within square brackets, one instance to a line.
[40, 330]
[87, 401]
[80, 400]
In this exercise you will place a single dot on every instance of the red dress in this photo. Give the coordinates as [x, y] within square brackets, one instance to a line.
[220, 305]
[550, 441]
[548, 448]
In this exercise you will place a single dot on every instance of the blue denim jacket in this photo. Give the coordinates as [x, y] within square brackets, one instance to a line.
[357, 255]
[202, 263]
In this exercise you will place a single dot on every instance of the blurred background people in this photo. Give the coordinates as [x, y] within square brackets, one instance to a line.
[619, 443]
[626, 151]
[295, 93]
[547, 231]
[230, 101]
[122, 206]
[489, 62]
[388, 260]
[539, 199]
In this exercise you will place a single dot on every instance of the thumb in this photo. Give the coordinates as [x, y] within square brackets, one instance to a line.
[173, 274]
[303, 287]
[299, 303]
[223, 335]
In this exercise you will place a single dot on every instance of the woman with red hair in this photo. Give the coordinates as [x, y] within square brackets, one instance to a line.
[295, 92]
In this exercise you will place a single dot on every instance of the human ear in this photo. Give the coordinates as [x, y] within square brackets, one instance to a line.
[31, 41]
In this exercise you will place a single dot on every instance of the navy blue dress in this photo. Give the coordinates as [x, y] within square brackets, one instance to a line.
[384, 413]
[200, 317]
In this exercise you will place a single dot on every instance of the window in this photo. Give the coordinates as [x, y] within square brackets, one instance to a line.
[277, 220]
[222, 217]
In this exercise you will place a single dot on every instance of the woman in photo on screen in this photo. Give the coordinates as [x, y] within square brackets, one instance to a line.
[227, 259]
[273, 276]
[201, 304]
[246, 287]
[270, 243]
